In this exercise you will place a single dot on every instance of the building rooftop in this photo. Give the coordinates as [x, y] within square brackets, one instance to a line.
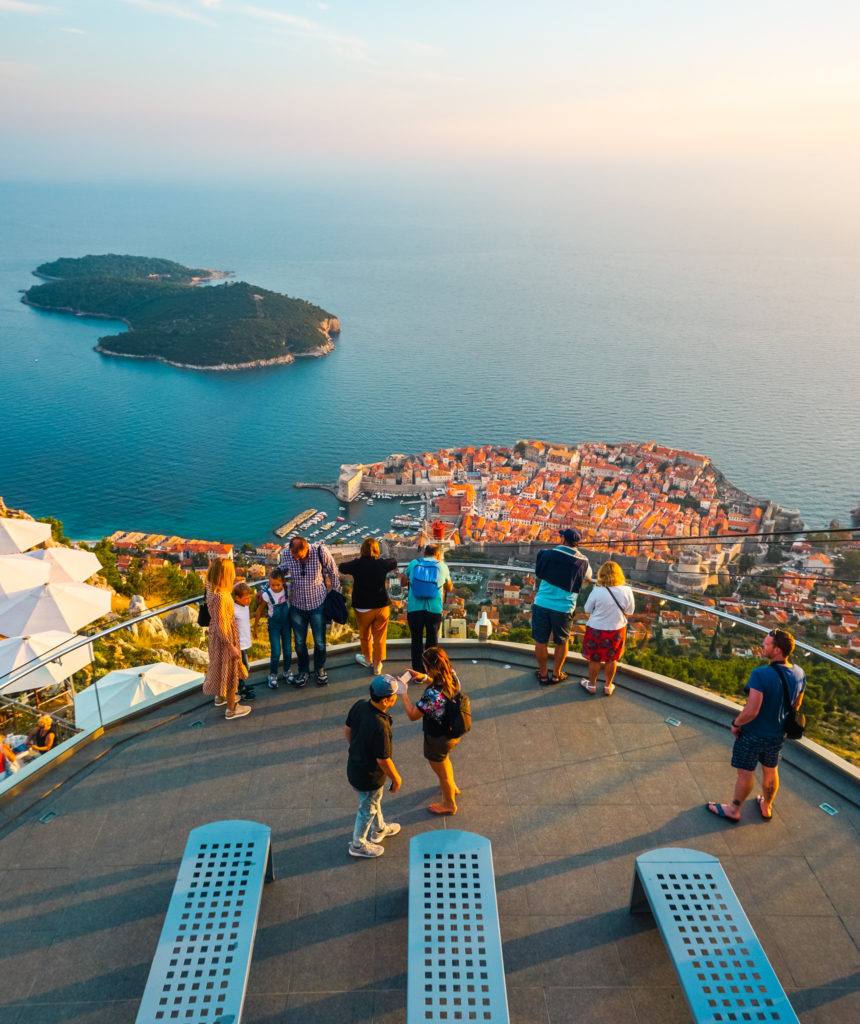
[569, 788]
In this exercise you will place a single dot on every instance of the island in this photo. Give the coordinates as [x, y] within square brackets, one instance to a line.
[173, 320]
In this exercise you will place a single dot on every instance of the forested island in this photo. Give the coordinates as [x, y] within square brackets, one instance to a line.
[229, 327]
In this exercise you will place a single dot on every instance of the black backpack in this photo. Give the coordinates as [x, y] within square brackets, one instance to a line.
[457, 720]
[795, 720]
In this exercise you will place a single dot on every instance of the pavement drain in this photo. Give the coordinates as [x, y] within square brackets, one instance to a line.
[47, 816]
[672, 721]
[196, 725]
[828, 809]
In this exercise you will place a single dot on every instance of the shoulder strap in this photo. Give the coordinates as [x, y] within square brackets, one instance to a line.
[788, 702]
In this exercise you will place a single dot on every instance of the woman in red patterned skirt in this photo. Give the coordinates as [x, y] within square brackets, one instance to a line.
[608, 606]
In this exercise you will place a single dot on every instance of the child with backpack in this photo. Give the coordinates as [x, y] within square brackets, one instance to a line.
[428, 579]
[447, 716]
[274, 600]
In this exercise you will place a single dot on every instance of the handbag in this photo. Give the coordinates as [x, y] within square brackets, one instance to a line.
[203, 616]
[795, 720]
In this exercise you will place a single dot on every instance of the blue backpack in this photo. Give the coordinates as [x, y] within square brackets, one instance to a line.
[425, 579]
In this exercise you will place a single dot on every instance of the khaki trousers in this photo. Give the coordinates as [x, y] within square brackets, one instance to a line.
[372, 631]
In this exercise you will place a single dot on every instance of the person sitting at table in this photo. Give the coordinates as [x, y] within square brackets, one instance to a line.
[42, 738]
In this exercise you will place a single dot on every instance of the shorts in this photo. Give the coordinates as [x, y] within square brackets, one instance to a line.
[437, 748]
[546, 621]
[750, 751]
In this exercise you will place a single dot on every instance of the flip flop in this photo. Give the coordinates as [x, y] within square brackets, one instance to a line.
[766, 817]
[717, 809]
[436, 809]
[560, 678]
[586, 685]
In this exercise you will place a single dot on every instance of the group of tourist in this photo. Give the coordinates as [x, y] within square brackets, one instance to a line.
[759, 729]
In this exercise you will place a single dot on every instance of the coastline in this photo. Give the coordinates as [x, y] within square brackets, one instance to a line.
[326, 328]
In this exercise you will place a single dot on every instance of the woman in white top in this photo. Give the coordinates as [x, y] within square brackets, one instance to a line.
[608, 606]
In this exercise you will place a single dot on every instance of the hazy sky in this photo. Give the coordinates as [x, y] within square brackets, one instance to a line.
[759, 91]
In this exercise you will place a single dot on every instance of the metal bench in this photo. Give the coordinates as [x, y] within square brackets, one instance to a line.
[723, 970]
[455, 949]
[200, 969]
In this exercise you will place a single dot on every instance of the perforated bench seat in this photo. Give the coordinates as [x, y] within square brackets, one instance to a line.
[723, 970]
[455, 948]
[200, 969]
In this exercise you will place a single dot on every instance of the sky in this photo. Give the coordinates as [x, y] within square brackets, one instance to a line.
[764, 93]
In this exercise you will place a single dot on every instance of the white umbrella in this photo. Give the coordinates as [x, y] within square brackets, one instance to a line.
[67, 565]
[52, 606]
[19, 652]
[20, 534]
[128, 689]
[19, 573]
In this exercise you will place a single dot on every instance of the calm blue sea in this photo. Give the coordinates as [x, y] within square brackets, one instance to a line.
[463, 322]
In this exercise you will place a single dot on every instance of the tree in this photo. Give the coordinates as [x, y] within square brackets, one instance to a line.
[745, 563]
[57, 531]
[847, 565]
[774, 554]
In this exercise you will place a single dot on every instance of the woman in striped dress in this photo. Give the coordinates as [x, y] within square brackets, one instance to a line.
[225, 657]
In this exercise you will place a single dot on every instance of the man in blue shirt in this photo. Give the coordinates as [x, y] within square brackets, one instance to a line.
[429, 579]
[759, 729]
[562, 571]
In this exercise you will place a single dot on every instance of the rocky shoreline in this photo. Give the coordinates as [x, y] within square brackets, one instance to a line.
[323, 350]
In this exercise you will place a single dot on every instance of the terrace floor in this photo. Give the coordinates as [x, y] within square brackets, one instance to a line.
[568, 787]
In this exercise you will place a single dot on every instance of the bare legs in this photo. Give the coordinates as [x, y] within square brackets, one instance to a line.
[594, 668]
[770, 785]
[445, 774]
[542, 656]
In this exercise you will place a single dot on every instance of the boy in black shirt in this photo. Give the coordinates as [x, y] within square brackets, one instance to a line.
[368, 733]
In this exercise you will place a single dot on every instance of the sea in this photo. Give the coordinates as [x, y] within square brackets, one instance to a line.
[466, 319]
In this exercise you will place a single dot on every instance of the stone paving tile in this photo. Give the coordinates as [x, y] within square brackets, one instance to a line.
[118, 1011]
[389, 1006]
[783, 886]
[582, 742]
[825, 1005]
[527, 1005]
[590, 1006]
[602, 780]
[654, 783]
[818, 951]
[330, 1007]
[269, 1009]
[539, 786]
[660, 1005]
[538, 950]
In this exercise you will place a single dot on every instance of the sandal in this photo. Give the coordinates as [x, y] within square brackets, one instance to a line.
[561, 676]
[543, 680]
[586, 685]
[609, 689]
[439, 809]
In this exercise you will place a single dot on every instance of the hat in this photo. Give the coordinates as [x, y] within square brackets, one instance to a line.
[570, 536]
[386, 686]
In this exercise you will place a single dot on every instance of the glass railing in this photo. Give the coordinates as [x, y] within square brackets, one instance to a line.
[692, 641]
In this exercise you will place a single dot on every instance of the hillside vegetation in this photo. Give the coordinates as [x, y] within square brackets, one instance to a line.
[178, 322]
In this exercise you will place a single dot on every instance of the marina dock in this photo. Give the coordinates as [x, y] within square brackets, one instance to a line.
[302, 517]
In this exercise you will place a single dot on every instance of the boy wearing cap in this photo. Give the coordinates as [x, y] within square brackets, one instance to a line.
[368, 733]
[562, 570]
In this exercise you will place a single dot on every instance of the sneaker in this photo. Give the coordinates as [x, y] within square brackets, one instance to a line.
[238, 712]
[360, 658]
[367, 850]
[220, 702]
[273, 681]
[377, 668]
[390, 829]
[322, 677]
[291, 678]
[301, 680]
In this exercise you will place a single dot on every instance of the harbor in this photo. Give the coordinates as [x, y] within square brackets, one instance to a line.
[295, 522]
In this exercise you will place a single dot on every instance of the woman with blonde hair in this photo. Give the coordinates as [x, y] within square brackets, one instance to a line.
[370, 601]
[442, 686]
[225, 657]
[608, 605]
